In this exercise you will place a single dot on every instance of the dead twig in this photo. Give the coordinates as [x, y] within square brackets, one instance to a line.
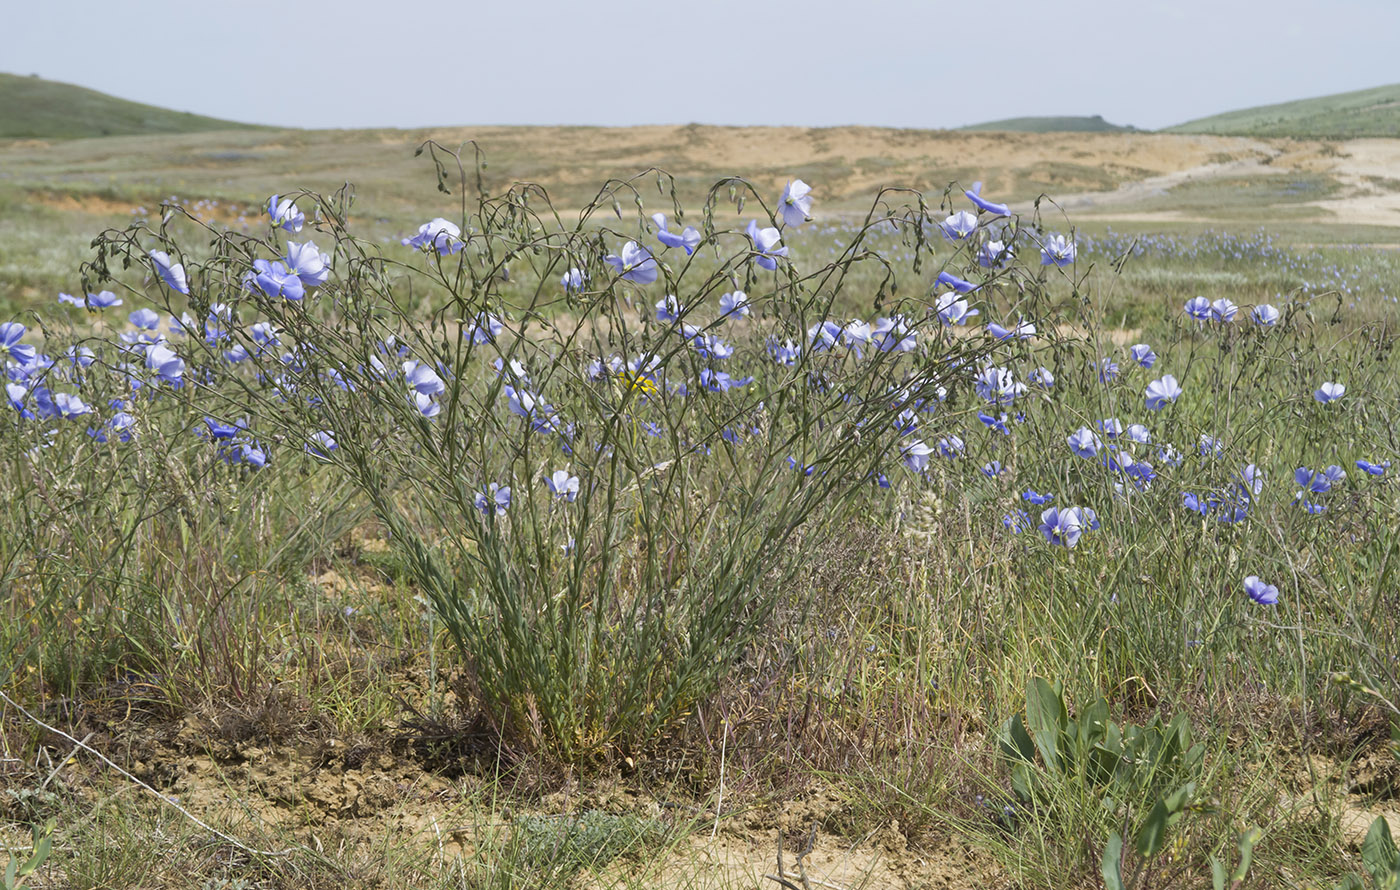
[782, 876]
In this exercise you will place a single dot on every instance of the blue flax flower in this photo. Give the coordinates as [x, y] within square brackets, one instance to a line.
[1261, 593]
[960, 285]
[308, 263]
[1084, 443]
[274, 280]
[119, 427]
[1223, 310]
[765, 245]
[1162, 391]
[952, 310]
[1024, 330]
[951, 446]
[173, 274]
[1062, 526]
[688, 239]
[796, 203]
[485, 329]
[1329, 392]
[634, 264]
[894, 335]
[994, 423]
[916, 455]
[562, 485]
[95, 302]
[494, 499]
[785, 353]
[959, 226]
[1057, 251]
[994, 255]
[321, 444]
[857, 335]
[734, 305]
[284, 214]
[974, 195]
[11, 348]
[168, 366]
[668, 309]
[1017, 521]
[422, 378]
[1318, 482]
[440, 236]
[145, 319]
[573, 279]
[1198, 308]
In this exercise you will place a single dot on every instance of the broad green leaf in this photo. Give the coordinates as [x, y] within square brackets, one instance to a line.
[1046, 714]
[1113, 863]
[1378, 851]
[1102, 764]
[1016, 742]
[1178, 799]
[1194, 757]
[1153, 834]
[1172, 742]
[1217, 874]
[1093, 724]
[1021, 781]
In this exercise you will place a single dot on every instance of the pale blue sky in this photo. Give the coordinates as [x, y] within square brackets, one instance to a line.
[363, 63]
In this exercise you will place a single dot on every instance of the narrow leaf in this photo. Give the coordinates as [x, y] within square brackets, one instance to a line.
[1248, 838]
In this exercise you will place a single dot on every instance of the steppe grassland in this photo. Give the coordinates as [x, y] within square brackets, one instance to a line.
[262, 633]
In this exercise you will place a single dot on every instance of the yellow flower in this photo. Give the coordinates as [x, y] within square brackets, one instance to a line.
[638, 382]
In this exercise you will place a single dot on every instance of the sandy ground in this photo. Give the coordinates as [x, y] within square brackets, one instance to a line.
[1368, 169]
[1372, 168]
[1145, 165]
[1093, 175]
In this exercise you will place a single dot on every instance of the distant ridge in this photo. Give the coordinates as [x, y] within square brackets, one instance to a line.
[1094, 124]
[34, 108]
[1373, 112]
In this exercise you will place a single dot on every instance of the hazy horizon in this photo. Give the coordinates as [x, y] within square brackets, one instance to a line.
[725, 63]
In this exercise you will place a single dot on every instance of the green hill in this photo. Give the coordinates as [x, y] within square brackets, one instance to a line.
[34, 108]
[1374, 112]
[1095, 124]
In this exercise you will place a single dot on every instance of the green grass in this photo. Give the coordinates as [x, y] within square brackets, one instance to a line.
[1373, 112]
[34, 108]
[1091, 124]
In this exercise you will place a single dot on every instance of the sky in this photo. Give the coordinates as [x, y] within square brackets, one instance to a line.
[897, 63]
